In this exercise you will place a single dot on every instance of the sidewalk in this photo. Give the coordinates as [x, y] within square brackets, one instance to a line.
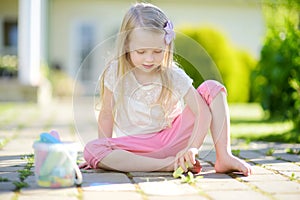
[276, 172]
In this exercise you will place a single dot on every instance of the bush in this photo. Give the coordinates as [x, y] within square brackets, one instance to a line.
[62, 84]
[8, 66]
[278, 72]
[234, 65]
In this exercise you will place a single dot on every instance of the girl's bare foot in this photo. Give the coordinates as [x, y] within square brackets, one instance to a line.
[231, 163]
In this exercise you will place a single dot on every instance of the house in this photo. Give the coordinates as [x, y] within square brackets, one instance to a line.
[75, 35]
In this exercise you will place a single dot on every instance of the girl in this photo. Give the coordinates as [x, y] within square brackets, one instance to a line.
[150, 105]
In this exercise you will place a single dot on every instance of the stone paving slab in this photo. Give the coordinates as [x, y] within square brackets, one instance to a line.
[286, 196]
[185, 197]
[7, 186]
[167, 188]
[223, 185]
[237, 195]
[278, 187]
[264, 177]
[106, 182]
[123, 195]
[276, 176]
[6, 195]
[283, 166]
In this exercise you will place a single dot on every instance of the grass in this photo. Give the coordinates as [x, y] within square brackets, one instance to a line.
[9, 112]
[5, 106]
[270, 152]
[4, 179]
[293, 151]
[248, 121]
[24, 173]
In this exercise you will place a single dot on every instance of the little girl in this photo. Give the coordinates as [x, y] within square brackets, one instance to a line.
[157, 118]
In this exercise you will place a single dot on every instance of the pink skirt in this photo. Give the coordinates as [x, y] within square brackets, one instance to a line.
[166, 143]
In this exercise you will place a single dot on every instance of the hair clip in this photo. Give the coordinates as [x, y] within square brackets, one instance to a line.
[170, 34]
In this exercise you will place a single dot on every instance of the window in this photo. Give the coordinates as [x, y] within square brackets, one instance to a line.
[10, 33]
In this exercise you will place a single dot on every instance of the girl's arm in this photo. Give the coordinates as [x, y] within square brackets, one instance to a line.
[202, 123]
[105, 119]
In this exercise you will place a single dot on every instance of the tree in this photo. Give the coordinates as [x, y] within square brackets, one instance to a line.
[277, 75]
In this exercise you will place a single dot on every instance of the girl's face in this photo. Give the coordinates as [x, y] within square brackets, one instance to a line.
[146, 49]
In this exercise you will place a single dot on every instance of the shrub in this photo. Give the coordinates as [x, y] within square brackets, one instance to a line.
[8, 66]
[278, 72]
[62, 84]
[233, 64]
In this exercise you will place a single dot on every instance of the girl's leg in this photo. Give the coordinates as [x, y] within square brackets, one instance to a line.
[148, 152]
[126, 161]
[122, 154]
[220, 129]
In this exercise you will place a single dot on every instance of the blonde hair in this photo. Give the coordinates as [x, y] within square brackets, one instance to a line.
[150, 17]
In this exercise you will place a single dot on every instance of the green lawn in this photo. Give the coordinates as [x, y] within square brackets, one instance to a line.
[5, 106]
[249, 122]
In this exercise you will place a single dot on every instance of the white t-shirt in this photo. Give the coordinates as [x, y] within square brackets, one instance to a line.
[137, 112]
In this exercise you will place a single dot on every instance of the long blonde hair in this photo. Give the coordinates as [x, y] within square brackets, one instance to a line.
[143, 15]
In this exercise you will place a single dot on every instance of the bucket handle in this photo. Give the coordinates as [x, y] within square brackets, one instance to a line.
[78, 179]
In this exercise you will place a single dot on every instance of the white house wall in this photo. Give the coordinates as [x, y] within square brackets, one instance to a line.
[65, 18]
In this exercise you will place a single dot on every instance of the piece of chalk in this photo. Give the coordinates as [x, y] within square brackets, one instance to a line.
[53, 160]
[47, 138]
[55, 134]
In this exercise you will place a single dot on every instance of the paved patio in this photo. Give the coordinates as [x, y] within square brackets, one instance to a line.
[276, 172]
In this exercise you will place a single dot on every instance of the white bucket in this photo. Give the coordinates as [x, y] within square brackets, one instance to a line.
[55, 164]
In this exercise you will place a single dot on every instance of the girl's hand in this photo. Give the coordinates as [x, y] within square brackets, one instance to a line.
[188, 156]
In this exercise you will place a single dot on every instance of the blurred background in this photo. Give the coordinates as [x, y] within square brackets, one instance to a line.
[253, 43]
